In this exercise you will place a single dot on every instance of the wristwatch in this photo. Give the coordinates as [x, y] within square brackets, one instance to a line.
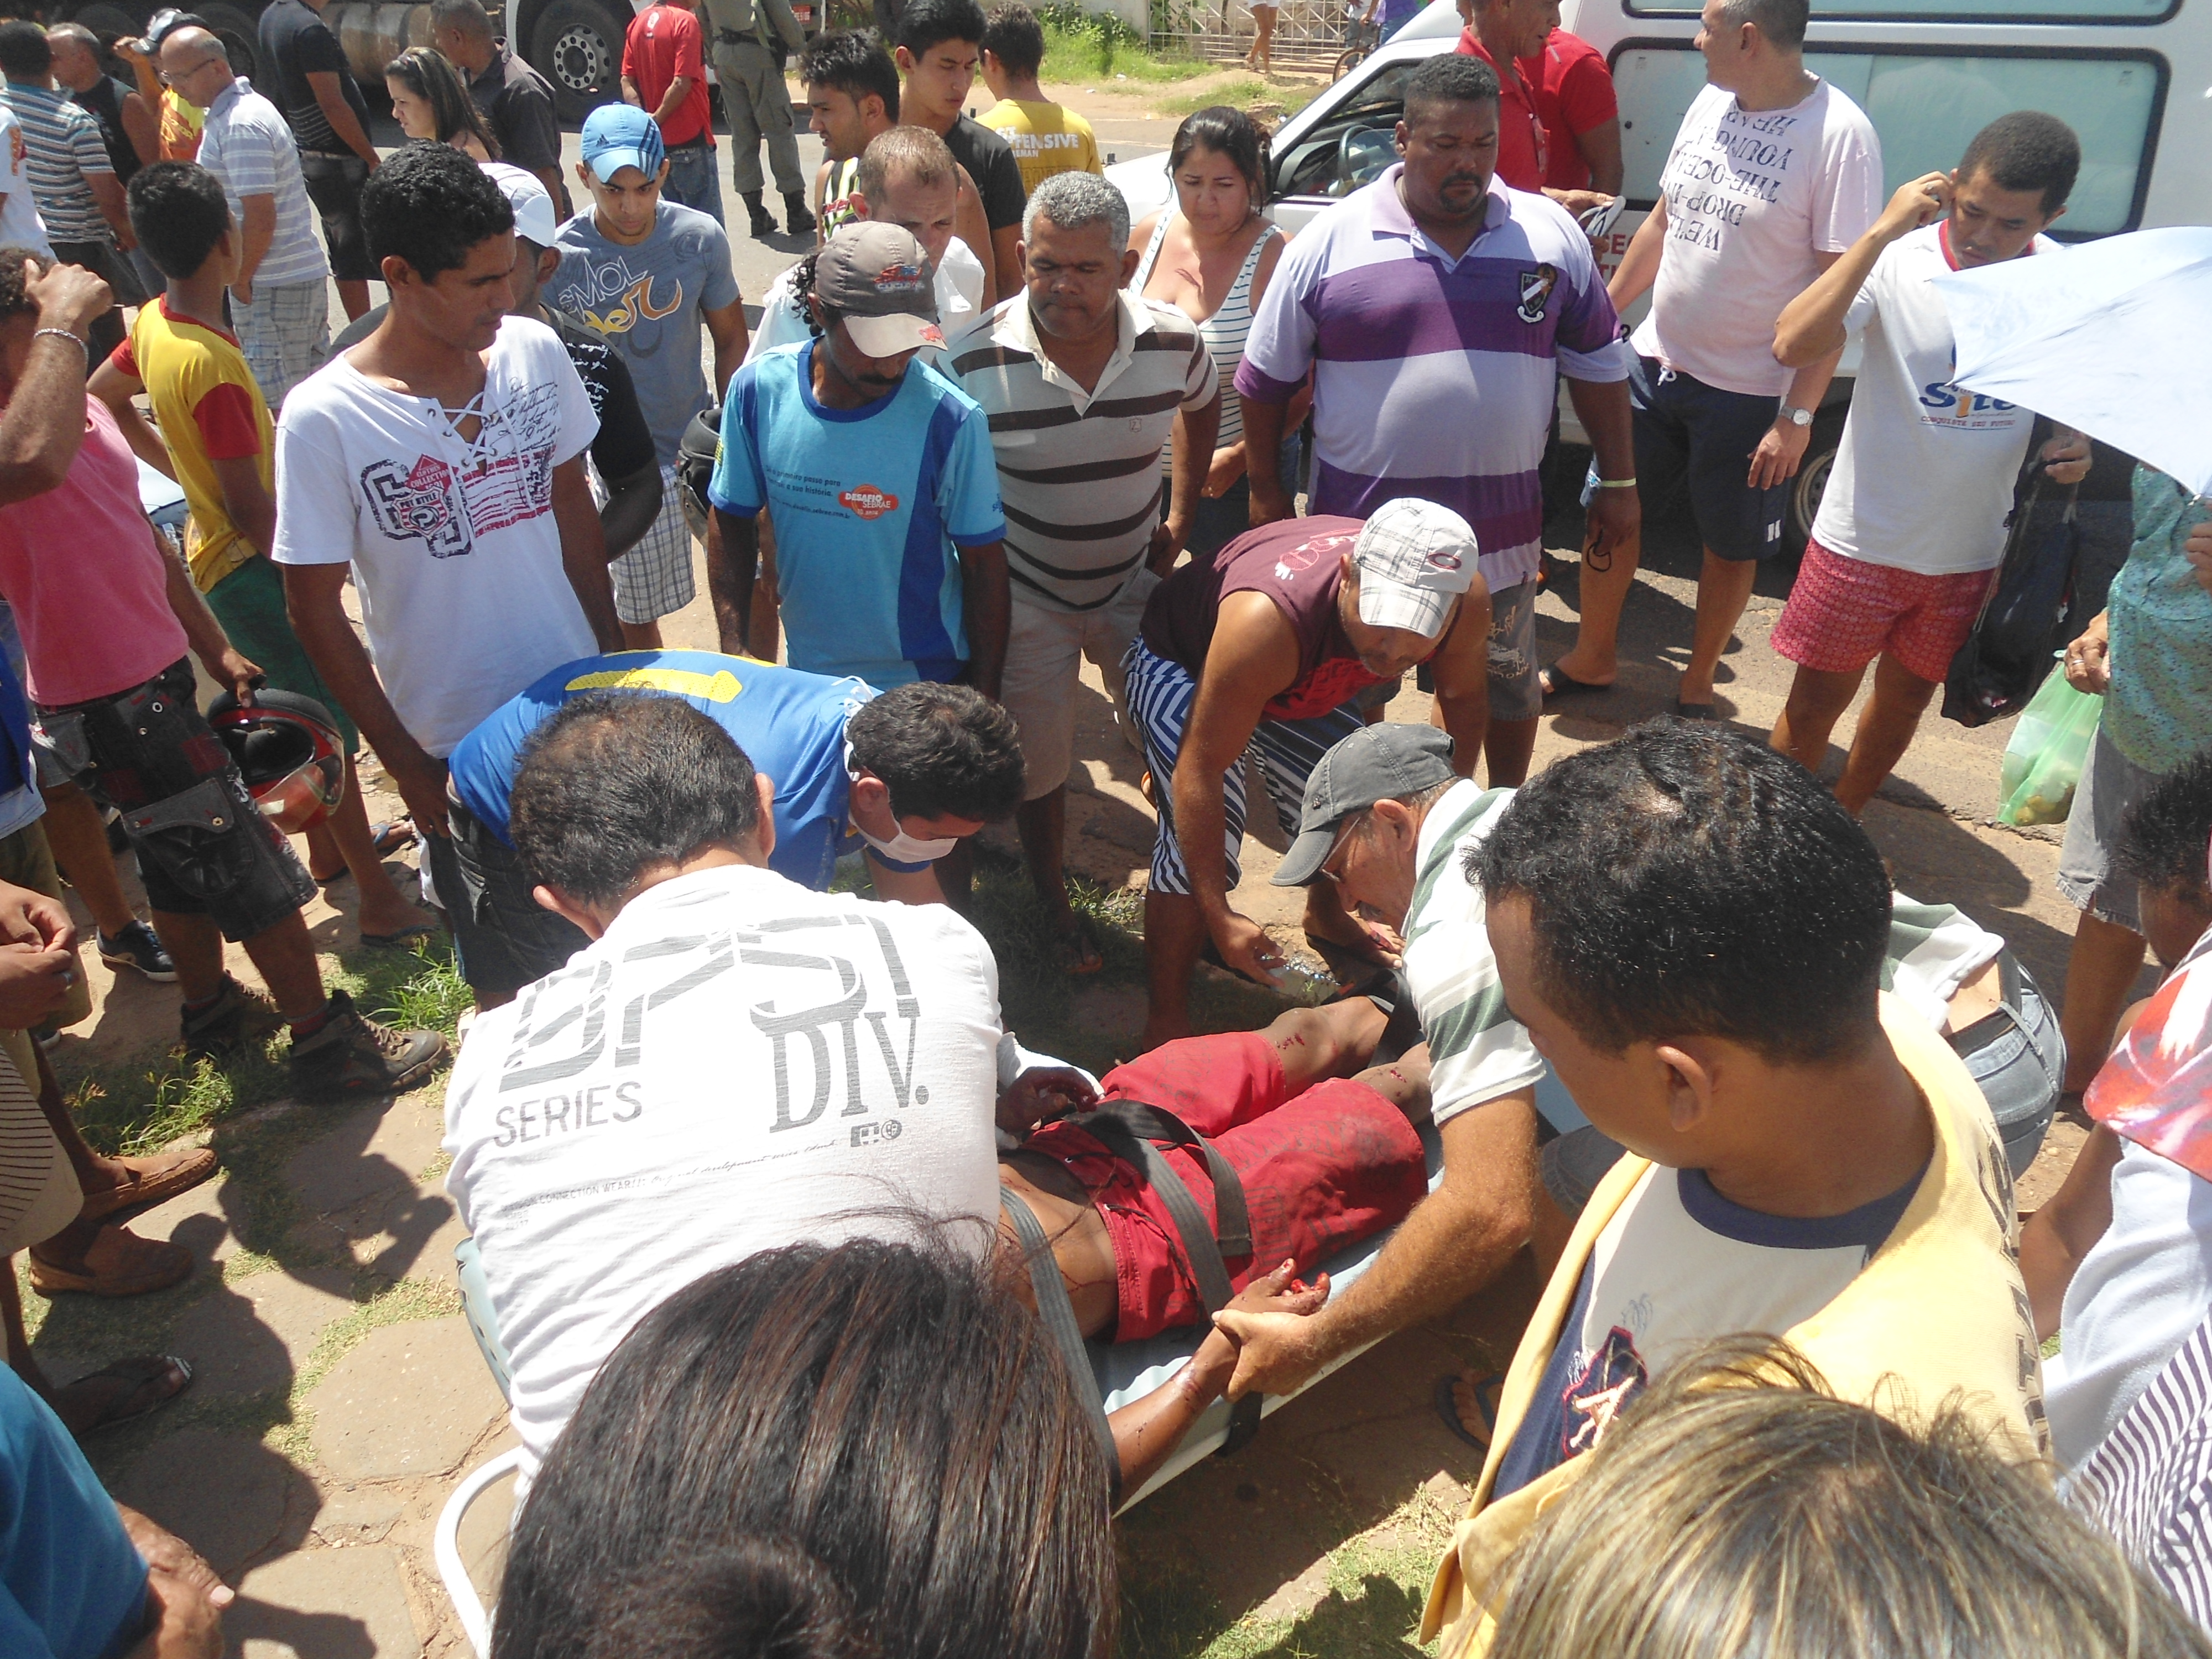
[1797, 417]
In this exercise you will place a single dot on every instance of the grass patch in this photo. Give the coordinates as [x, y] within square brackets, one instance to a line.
[1375, 1584]
[1247, 92]
[1093, 47]
[136, 1105]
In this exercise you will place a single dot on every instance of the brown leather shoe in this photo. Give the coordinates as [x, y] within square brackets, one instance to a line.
[120, 1263]
[150, 1181]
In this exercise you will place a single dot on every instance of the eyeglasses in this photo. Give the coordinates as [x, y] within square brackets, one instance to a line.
[168, 80]
[1352, 822]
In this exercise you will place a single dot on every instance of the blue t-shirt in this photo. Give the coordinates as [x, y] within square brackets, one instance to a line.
[790, 724]
[71, 1584]
[868, 505]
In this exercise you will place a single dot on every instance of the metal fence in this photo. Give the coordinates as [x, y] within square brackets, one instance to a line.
[1310, 34]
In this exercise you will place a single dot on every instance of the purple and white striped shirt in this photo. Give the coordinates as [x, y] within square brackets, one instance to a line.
[1434, 377]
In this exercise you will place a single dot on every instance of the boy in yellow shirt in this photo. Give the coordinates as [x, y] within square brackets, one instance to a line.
[217, 442]
[1691, 931]
[1047, 138]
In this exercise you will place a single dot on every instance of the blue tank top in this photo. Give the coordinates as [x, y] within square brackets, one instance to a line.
[790, 724]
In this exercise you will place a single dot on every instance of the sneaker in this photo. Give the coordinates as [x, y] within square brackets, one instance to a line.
[138, 946]
[235, 1018]
[796, 219]
[354, 1056]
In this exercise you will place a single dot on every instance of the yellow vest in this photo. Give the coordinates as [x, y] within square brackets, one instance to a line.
[1939, 1310]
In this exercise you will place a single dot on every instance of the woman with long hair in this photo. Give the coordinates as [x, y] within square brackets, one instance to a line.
[1211, 253]
[429, 101]
[872, 1451]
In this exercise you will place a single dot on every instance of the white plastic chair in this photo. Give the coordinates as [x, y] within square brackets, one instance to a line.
[446, 1546]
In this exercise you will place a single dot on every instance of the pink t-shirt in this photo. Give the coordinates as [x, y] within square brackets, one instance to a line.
[82, 568]
[1752, 198]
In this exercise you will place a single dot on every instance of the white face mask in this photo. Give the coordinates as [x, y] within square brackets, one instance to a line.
[903, 848]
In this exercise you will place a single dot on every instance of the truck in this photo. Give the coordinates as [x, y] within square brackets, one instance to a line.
[2131, 76]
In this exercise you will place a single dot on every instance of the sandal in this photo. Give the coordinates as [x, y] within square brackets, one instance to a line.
[1487, 1389]
[389, 838]
[135, 1379]
[1556, 684]
[1076, 949]
[149, 1181]
[404, 939]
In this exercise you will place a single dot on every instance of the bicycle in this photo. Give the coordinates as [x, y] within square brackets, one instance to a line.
[1361, 36]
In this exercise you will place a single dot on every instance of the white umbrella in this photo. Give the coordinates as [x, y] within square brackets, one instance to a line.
[2113, 337]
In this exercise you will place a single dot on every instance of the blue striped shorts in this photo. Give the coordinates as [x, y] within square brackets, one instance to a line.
[1161, 692]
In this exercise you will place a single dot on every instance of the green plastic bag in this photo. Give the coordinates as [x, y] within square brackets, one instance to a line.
[2043, 763]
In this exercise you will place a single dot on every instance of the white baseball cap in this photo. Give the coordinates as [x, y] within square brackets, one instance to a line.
[1414, 557]
[534, 220]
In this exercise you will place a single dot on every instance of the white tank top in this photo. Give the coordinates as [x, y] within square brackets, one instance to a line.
[1225, 331]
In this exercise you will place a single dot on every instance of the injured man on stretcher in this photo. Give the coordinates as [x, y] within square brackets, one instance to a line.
[1275, 1147]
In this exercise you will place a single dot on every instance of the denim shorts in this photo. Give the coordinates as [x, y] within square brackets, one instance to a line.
[204, 847]
[2110, 785]
[504, 938]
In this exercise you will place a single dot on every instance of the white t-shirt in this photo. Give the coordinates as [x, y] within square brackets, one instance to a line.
[1934, 948]
[1939, 462]
[959, 284]
[2140, 1291]
[453, 543]
[20, 224]
[739, 1064]
[1751, 196]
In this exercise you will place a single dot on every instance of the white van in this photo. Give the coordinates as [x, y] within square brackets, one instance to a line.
[2132, 77]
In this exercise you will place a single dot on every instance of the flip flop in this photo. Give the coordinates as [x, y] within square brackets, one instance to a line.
[402, 940]
[1078, 950]
[390, 838]
[149, 1181]
[1486, 1393]
[1557, 684]
[1695, 711]
[139, 1374]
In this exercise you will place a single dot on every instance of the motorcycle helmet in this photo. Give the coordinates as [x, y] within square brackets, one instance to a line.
[289, 749]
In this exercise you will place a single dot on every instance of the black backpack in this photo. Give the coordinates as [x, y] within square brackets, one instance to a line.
[2016, 638]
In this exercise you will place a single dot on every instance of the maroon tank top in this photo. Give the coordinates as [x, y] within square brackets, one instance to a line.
[1296, 563]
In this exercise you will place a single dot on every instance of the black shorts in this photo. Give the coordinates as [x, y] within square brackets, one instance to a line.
[1701, 437]
[334, 184]
[204, 847]
[504, 938]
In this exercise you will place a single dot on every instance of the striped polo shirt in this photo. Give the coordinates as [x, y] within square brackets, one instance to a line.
[1477, 1050]
[247, 144]
[63, 146]
[1436, 377]
[1080, 471]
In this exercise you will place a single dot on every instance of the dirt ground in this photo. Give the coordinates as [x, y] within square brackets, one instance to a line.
[339, 1397]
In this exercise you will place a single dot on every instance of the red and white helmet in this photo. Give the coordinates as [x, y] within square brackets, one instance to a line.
[289, 749]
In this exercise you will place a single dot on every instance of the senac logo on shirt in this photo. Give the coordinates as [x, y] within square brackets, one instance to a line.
[867, 501]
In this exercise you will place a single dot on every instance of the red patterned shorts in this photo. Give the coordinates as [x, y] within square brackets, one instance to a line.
[1842, 613]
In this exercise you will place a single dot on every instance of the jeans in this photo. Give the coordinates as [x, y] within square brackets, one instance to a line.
[504, 938]
[692, 181]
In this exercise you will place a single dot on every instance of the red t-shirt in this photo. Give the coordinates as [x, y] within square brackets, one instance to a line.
[1522, 143]
[664, 42]
[1574, 93]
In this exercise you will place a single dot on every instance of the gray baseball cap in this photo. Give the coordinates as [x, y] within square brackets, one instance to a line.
[1376, 763]
[877, 275]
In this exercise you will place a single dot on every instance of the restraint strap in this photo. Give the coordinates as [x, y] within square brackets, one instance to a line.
[1127, 1128]
[1059, 1315]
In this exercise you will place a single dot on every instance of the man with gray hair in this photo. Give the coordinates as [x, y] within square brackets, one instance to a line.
[1084, 384]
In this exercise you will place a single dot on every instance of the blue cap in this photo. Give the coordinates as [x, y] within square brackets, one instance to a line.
[618, 136]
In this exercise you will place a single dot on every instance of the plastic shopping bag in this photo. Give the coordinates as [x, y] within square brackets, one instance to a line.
[2043, 763]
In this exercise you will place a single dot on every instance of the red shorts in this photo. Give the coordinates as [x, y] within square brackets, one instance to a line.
[1842, 613]
[1321, 1171]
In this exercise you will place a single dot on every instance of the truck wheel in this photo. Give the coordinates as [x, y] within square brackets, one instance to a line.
[1811, 480]
[578, 47]
[240, 34]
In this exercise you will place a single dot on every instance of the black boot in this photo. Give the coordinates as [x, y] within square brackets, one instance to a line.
[796, 219]
[763, 222]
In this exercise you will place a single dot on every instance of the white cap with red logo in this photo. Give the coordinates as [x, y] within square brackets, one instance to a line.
[1414, 557]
